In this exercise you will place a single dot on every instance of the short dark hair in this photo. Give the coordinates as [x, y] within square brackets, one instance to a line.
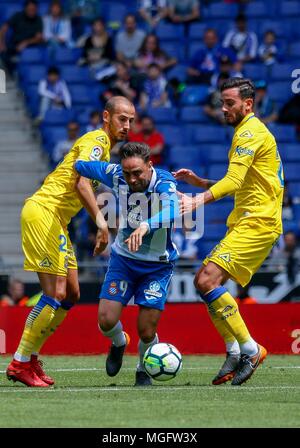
[245, 86]
[29, 2]
[53, 71]
[135, 149]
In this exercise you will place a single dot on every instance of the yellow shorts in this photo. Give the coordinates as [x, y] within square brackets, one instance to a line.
[45, 241]
[243, 249]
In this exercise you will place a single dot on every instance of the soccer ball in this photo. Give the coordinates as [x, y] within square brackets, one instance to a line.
[162, 361]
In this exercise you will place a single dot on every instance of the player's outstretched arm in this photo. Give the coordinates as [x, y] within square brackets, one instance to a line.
[191, 178]
[136, 238]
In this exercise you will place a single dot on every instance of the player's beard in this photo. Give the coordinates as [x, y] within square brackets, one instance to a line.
[239, 116]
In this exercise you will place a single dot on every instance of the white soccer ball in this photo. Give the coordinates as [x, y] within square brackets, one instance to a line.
[162, 361]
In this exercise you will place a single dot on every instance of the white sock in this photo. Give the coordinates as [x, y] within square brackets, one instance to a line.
[142, 347]
[116, 334]
[21, 358]
[249, 348]
[233, 347]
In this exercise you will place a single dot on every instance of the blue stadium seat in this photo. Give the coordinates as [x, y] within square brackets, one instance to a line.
[292, 171]
[214, 231]
[114, 12]
[210, 133]
[283, 132]
[74, 74]
[51, 135]
[8, 9]
[179, 72]
[176, 51]
[217, 212]
[217, 153]
[33, 55]
[216, 171]
[58, 117]
[83, 117]
[166, 115]
[180, 156]
[194, 95]
[282, 71]
[290, 152]
[294, 188]
[32, 74]
[221, 10]
[281, 29]
[82, 95]
[256, 9]
[280, 91]
[294, 50]
[65, 56]
[255, 71]
[196, 30]
[193, 47]
[173, 135]
[290, 8]
[193, 114]
[168, 31]
[32, 100]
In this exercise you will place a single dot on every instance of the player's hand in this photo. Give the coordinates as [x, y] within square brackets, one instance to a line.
[188, 204]
[189, 177]
[101, 240]
[136, 238]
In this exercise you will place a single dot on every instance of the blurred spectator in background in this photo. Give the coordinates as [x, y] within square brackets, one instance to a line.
[82, 13]
[26, 29]
[243, 296]
[54, 93]
[268, 50]
[213, 106]
[290, 112]
[15, 294]
[63, 146]
[188, 248]
[286, 256]
[228, 65]
[287, 204]
[151, 53]
[98, 51]
[129, 41]
[183, 11]
[95, 121]
[265, 108]
[154, 91]
[154, 139]
[57, 27]
[122, 84]
[153, 11]
[205, 62]
[242, 41]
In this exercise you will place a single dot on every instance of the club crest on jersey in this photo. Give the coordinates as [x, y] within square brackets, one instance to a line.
[113, 289]
[45, 263]
[246, 134]
[96, 153]
[244, 151]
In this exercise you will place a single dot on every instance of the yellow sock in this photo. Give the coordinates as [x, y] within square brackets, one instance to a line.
[222, 329]
[36, 324]
[225, 308]
[58, 318]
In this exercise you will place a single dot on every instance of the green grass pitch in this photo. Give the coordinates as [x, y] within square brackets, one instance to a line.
[85, 397]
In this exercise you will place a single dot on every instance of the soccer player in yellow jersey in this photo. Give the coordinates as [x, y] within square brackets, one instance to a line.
[46, 244]
[255, 178]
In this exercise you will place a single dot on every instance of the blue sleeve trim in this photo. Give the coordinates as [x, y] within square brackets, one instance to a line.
[214, 294]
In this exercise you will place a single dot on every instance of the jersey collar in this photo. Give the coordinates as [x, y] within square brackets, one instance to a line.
[152, 181]
[245, 119]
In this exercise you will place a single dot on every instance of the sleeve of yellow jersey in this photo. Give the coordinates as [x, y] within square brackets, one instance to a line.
[241, 159]
[92, 148]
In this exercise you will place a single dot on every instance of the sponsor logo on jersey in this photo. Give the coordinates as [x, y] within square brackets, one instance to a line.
[113, 289]
[225, 257]
[102, 139]
[96, 153]
[110, 167]
[153, 292]
[45, 263]
[172, 188]
[244, 151]
[247, 134]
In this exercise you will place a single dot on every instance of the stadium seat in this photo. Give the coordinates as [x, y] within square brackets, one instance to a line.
[175, 50]
[291, 171]
[191, 155]
[282, 71]
[214, 231]
[51, 135]
[217, 153]
[294, 50]
[193, 47]
[166, 115]
[82, 95]
[221, 10]
[58, 117]
[173, 135]
[280, 91]
[194, 95]
[193, 114]
[283, 132]
[74, 74]
[8, 9]
[279, 27]
[65, 56]
[290, 152]
[114, 13]
[290, 8]
[168, 31]
[196, 30]
[32, 74]
[216, 171]
[255, 71]
[294, 187]
[33, 55]
[179, 72]
[210, 133]
[256, 9]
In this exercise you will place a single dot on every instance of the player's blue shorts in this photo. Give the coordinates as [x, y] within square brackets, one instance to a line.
[147, 281]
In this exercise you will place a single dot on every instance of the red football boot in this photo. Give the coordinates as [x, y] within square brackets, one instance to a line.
[37, 367]
[22, 371]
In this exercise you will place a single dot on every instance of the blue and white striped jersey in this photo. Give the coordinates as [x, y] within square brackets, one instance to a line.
[158, 206]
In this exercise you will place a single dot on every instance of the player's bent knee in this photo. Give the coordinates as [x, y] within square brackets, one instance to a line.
[106, 320]
[147, 334]
[203, 281]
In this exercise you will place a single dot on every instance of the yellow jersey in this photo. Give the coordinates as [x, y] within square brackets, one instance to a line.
[255, 155]
[58, 190]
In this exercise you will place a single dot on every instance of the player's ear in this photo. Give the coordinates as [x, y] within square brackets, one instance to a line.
[150, 164]
[106, 116]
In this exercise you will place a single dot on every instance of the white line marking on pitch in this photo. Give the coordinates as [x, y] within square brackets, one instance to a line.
[100, 369]
[155, 388]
